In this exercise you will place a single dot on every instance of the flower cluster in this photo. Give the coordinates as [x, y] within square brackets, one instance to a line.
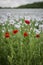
[25, 46]
[25, 34]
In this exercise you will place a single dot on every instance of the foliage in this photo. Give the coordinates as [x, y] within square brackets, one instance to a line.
[33, 5]
[17, 49]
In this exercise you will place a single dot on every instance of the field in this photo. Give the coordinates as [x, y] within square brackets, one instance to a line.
[20, 44]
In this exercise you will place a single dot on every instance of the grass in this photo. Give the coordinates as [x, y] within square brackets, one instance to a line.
[22, 47]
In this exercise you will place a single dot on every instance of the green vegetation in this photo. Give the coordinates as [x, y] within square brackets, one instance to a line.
[20, 46]
[33, 5]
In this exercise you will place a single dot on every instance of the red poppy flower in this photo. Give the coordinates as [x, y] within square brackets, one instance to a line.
[27, 21]
[15, 31]
[25, 34]
[7, 35]
[37, 35]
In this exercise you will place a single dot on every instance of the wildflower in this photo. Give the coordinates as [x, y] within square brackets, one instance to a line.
[15, 31]
[25, 34]
[7, 35]
[27, 21]
[37, 35]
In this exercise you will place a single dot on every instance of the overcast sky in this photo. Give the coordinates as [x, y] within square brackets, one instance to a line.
[15, 3]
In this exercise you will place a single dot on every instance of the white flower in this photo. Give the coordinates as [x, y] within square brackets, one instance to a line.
[36, 24]
[37, 31]
[41, 27]
[11, 22]
[17, 26]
